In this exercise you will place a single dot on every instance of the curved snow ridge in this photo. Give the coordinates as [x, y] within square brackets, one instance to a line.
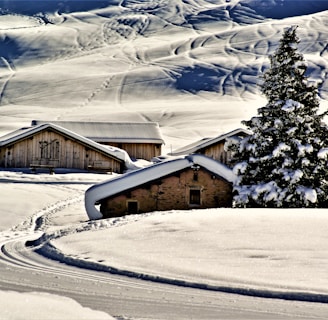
[87, 226]
[144, 175]
[51, 252]
[35, 222]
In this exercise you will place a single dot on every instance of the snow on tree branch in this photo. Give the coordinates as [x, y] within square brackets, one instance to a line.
[284, 163]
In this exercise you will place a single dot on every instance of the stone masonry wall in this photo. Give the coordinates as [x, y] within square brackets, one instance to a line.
[172, 193]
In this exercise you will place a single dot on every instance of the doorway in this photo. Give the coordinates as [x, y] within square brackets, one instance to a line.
[194, 197]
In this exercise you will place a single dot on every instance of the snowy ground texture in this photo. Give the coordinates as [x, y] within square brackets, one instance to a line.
[22, 306]
[279, 251]
[265, 252]
[191, 66]
[62, 194]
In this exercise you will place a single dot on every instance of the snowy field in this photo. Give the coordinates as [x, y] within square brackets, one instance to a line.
[279, 250]
[41, 195]
[191, 66]
[265, 252]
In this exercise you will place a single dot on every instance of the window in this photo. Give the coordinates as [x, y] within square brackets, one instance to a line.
[132, 207]
[49, 150]
[194, 197]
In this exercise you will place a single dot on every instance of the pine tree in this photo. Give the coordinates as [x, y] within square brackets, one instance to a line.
[284, 163]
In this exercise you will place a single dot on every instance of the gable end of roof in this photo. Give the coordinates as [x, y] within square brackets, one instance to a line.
[145, 175]
[202, 144]
[29, 132]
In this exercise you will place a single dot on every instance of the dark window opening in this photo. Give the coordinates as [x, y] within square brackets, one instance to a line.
[132, 207]
[194, 196]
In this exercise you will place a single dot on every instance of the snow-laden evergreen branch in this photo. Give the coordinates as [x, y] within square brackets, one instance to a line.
[284, 163]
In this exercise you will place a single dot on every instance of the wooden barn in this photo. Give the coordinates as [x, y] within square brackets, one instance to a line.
[51, 146]
[195, 181]
[141, 140]
[213, 147]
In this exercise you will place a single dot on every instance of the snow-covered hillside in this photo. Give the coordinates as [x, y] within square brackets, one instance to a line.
[193, 66]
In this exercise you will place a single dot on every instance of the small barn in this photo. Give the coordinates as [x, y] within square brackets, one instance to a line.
[141, 140]
[213, 147]
[192, 182]
[51, 146]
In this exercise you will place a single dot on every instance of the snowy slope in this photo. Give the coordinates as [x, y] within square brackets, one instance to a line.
[148, 60]
[271, 253]
[281, 251]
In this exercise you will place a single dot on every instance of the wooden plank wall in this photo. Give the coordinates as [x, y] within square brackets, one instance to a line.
[218, 153]
[72, 154]
[144, 151]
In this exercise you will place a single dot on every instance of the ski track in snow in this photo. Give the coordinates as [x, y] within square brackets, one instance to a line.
[16, 243]
[37, 222]
[35, 232]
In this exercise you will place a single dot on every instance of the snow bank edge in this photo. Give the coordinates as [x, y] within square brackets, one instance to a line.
[49, 251]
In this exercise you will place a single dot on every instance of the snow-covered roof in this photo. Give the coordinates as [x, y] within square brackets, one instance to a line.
[118, 132]
[136, 178]
[206, 142]
[23, 133]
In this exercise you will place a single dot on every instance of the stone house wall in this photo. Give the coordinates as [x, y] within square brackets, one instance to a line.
[182, 190]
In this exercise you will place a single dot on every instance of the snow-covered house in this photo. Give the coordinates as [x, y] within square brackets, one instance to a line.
[213, 147]
[141, 140]
[194, 181]
[51, 146]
